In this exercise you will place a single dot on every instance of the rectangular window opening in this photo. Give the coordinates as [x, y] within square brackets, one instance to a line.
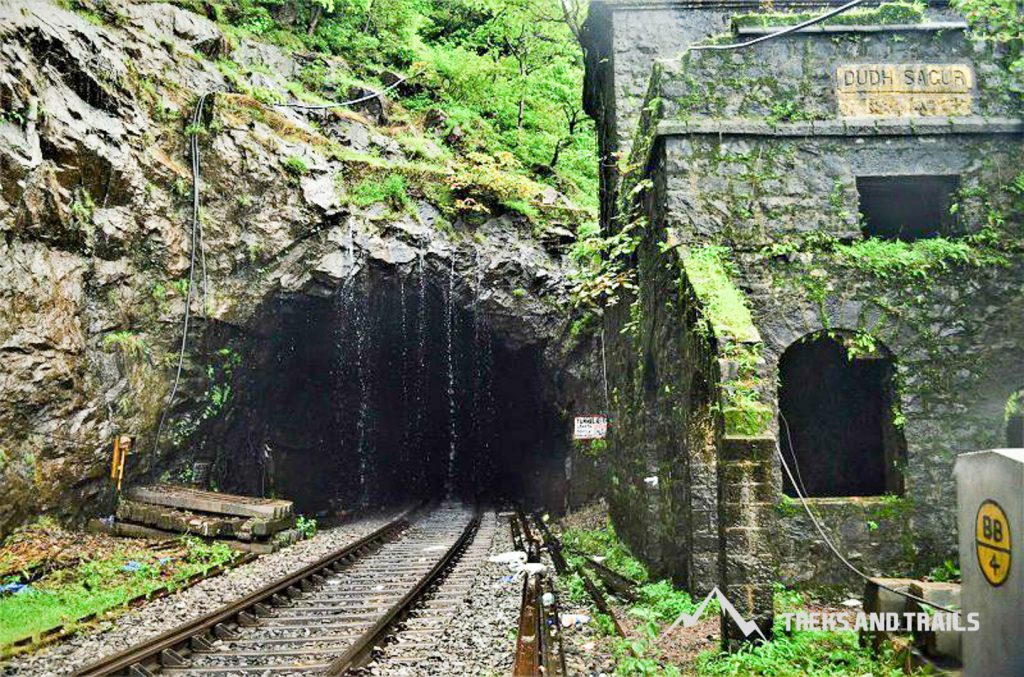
[907, 208]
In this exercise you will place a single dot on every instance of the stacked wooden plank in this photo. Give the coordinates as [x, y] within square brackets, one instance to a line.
[248, 523]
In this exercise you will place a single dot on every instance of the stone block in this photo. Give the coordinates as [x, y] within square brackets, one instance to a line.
[748, 569]
[735, 472]
[746, 539]
[735, 448]
[880, 600]
[748, 514]
[943, 594]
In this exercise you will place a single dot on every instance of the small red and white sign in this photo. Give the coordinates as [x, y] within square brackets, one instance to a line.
[590, 428]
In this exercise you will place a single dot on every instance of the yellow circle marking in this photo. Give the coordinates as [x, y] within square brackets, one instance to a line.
[992, 542]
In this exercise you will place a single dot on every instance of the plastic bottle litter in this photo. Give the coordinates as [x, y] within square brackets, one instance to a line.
[572, 620]
[533, 568]
[13, 588]
[508, 557]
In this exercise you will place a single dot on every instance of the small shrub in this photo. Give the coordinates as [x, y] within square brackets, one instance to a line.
[296, 166]
[371, 190]
[306, 525]
[126, 342]
[948, 571]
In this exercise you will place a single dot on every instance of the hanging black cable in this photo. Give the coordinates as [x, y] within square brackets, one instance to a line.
[196, 244]
[778, 34]
[832, 546]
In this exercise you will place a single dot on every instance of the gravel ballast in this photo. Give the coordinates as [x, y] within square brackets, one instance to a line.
[478, 636]
[163, 614]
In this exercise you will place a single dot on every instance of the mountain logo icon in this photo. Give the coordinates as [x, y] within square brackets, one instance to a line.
[689, 620]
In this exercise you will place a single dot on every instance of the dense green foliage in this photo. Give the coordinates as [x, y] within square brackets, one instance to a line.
[493, 76]
[800, 653]
[1001, 22]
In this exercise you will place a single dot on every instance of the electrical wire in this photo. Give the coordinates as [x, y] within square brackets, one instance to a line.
[196, 244]
[832, 546]
[196, 211]
[350, 102]
[604, 373]
[796, 464]
[778, 34]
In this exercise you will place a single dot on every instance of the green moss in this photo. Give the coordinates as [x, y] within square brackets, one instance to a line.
[787, 507]
[296, 166]
[709, 270]
[749, 419]
[1014, 405]
[890, 507]
[887, 13]
[126, 342]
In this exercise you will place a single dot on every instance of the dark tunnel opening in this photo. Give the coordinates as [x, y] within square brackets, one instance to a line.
[392, 390]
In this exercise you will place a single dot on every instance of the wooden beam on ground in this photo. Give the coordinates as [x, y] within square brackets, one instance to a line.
[188, 498]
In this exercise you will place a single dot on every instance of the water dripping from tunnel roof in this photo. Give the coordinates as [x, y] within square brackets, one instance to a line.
[359, 320]
[355, 418]
[453, 432]
[403, 370]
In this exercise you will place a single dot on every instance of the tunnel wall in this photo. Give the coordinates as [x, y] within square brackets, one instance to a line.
[365, 395]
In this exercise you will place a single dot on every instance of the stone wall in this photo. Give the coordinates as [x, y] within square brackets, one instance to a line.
[783, 196]
[664, 384]
[744, 155]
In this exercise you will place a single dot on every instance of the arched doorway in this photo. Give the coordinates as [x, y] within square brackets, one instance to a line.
[836, 420]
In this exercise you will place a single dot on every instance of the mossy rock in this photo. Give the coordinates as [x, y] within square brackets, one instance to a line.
[748, 420]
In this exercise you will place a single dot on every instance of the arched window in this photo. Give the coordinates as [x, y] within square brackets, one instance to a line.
[836, 420]
[1015, 420]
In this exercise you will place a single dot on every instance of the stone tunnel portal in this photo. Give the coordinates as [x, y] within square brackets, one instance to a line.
[390, 390]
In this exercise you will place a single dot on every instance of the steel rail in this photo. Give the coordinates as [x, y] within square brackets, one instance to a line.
[527, 662]
[539, 647]
[361, 650]
[554, 548]
[164, 647]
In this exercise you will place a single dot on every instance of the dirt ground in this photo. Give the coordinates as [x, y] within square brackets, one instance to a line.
[43, 547]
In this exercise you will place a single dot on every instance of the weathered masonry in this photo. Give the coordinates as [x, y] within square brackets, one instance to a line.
[829, 265]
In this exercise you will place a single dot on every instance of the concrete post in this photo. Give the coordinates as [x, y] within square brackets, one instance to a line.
[990, 494]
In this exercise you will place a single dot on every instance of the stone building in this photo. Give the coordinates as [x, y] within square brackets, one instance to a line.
[828, 265]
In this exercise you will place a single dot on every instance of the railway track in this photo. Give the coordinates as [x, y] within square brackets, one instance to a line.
[539, 641]
[413, 650]
[325, 619]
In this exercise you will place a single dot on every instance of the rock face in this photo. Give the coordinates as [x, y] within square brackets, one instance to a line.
[95, 214]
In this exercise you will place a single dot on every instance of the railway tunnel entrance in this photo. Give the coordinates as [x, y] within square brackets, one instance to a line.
[392, 388]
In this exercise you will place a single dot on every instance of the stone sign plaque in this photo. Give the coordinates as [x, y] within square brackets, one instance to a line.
[904, 90]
